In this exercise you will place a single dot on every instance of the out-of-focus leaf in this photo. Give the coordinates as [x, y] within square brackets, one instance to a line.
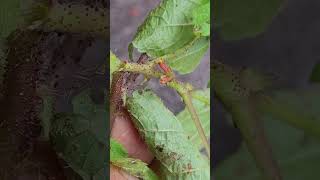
[69, 17]
[298, 108]
[47, 111]
[315, 75]
[10, 20]
[97, 113]
[81, 138]
[236, 20]
[297, 153]
[201, 102]
[166, 138]
[10, 17]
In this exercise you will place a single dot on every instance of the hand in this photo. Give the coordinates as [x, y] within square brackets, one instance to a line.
[124, 131]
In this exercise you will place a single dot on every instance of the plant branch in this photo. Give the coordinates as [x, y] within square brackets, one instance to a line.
[183, 89]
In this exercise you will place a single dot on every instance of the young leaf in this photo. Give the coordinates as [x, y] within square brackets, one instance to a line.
[201, 101]
[236, 20]
[169, 30]
[187, 59]
[166, 138]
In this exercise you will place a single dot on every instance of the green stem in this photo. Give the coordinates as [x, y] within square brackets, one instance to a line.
[183, 89]
[146, 69]
[201, 98]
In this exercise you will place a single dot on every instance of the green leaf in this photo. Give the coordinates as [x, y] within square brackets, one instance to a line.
[297, 153]
[69, 17]
[114, 64]
[299, 108]
[80, 138]
[237, 91]
[169, 31]
[236, 20]
[201, 19]
[97, 113]
[201, 102]
[10, 19]
[117, 150]
[166, 138]
[135, 168]
[167, 28]
[315, 75]
[187, 59]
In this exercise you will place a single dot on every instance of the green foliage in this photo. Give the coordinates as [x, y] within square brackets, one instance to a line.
[297, 153]
[10, 19]
[81, 138]
[114, 64]
[166, 138]
[187, 59]
[117, 150]
[119, 157]
[236, 20]
[236, 90]
[201, 19]
[69, 17]
[315, 75]
[136, 168]
[169, 31]
[299, 108]
[47, 111]
[201, 102]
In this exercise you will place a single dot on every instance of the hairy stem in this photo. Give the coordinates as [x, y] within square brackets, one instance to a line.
[183, 89]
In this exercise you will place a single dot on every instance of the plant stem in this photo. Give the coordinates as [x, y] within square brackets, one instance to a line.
[183, 89]
[146, 69]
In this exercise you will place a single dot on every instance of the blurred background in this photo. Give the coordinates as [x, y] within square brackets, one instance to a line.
[288, 48]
